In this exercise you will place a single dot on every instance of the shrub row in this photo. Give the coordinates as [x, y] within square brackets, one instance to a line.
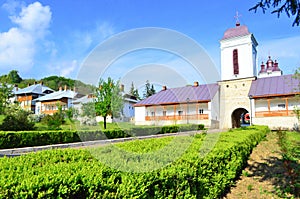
[38, 138]
[74, 173]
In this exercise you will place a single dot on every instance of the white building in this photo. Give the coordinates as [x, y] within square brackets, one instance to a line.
[239, 98]
[127, 113]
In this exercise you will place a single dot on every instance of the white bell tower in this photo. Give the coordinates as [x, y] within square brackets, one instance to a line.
[238, 53]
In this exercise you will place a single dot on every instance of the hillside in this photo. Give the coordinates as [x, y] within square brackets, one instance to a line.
[53, 82]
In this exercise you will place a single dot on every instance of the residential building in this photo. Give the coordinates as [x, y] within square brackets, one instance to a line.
[26, 96]
[49, 103]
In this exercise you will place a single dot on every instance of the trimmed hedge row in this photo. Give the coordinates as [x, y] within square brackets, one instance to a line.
[74, 173]
[38, 138]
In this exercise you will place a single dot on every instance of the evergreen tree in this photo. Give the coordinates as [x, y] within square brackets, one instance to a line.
[290, 7]
[134, 92]
[149, 90]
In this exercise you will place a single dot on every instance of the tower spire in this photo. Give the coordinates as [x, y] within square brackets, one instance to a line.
[237, 16]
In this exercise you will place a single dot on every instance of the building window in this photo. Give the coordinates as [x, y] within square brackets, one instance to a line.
[180, 113]
[281, 106]
[235, 62]
[152, 114]
[200, 111]
[164, 113]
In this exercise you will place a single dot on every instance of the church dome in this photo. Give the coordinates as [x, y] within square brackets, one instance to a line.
[236, 32]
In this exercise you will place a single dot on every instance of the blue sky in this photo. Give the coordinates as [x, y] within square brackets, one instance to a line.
[42, 38]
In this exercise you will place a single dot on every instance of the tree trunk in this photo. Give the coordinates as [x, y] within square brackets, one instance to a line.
[104, 120]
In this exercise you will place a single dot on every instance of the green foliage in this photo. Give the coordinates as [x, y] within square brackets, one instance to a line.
[56, 120]
[289, 143]
[16, 119]
[290, 7]
[53, 82]
[134, 92]
[70, 112]
[73, 136]
[149, 90]
[5, 94]
[72, 173]
[53, 121]
[109, 100]
[11, 78]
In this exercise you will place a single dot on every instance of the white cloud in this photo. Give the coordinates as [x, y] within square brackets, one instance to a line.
[18, 45]
[67, 68]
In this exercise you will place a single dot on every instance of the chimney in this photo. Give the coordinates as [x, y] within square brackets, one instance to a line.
[75, 89]
[60, 88]
[65, 87]
[122, 87]
[16, 87]
[196, 84]
[164, 88]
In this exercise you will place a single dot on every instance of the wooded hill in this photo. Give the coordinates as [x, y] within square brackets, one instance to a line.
[53, 82]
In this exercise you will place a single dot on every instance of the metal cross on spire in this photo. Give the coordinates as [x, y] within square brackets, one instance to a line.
[237, 16]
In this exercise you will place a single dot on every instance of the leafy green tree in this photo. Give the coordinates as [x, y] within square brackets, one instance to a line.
[134, 92]
[88, 109]
[290, 7]
[13, 77]
[16, 119]
[70, 112]
[149, 90]
[5, 94]
[108, 99]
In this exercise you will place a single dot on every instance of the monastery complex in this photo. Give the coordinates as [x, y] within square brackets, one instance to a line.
[246, 94]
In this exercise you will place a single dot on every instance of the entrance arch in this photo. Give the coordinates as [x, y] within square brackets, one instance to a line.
[240, 117]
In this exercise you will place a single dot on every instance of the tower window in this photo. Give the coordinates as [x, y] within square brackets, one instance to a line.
[235, 62]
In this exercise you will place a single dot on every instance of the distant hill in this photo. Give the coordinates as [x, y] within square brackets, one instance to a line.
[53, 82]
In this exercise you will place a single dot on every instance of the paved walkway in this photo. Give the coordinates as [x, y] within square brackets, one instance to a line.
[18, 151]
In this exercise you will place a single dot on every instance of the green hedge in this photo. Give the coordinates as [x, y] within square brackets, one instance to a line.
[38, 138]
[74, 173]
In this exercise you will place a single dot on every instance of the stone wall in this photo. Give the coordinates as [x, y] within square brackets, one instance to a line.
[233, 95]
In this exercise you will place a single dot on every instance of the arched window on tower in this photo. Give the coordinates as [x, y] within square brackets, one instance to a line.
[235, 62]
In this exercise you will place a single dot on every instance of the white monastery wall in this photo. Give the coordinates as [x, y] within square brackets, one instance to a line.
[233, 95]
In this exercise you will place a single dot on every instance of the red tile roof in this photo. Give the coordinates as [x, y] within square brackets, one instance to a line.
[236, 32]
[180, 95]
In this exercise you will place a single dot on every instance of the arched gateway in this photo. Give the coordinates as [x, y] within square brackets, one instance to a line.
[240, 117]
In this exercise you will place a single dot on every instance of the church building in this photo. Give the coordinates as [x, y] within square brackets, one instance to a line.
[245, 95]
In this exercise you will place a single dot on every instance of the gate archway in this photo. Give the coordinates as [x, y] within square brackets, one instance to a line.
[240, 117]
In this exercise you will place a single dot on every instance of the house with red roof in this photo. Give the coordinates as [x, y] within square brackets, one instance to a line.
[244, 95]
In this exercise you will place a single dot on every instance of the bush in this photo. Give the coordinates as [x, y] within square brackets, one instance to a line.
[38, 138]
[72, 173]
[16, 120]
[54, 121]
